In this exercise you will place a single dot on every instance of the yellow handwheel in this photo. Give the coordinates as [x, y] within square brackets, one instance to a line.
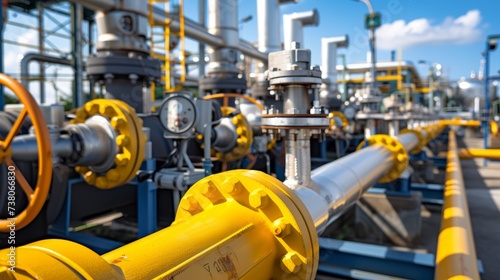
[37, 196]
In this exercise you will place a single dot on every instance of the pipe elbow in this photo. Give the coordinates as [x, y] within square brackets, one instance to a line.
[339, 41]
[307, 18]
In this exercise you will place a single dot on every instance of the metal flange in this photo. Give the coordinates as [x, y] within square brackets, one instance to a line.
[260, 198]
[294, 121]
[398, 151]
[422, 141]
[130, 141]
[244, 134]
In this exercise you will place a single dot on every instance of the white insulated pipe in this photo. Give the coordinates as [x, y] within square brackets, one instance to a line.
[268, 24]
[329, 48]
[293, 24]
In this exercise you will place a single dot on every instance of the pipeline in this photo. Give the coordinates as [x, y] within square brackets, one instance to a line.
[236, 224]
[479, 153]
[456, 254]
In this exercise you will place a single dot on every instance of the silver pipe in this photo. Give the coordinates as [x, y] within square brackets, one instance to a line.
[77, 19]
[298, 160]
[268, 24]
[293, 24]
[25, 148]
[408, 140]
[201, 46]
[342, 182]
[29, 57]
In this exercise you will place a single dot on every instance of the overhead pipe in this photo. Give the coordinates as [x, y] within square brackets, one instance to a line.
[293, 24]
[191, 29]
[479, 153]
[268, 24]
[29, 57]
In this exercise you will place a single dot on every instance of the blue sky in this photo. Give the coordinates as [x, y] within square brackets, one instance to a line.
[451, 33]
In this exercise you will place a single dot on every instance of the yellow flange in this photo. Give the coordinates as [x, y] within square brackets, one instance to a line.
[421, 140]
[130, 140]
[494, 128]
[398, 151]
[340, 115]
[55, 259]
[244, 140]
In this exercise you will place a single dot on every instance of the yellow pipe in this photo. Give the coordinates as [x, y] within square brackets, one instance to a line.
[479, 153]
[459, 122]
[240, 224]
[456, 255]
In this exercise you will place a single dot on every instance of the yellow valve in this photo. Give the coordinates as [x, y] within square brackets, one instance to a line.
[340, 115]
[130, 140]
[239, 224]
[398, 151]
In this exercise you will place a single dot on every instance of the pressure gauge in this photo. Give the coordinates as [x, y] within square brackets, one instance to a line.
[177, 114]
[349, 112]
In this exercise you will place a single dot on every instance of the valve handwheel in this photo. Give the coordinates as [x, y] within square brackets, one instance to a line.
[37, 196]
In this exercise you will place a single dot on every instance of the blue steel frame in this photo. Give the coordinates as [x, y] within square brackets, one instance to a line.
[146, 215]
[353, 259]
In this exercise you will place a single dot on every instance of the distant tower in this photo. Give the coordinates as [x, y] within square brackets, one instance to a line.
[480, 73]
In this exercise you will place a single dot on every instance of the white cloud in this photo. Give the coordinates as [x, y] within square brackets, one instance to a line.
[462, 30]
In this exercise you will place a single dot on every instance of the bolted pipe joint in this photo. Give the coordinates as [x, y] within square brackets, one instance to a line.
[293, 24]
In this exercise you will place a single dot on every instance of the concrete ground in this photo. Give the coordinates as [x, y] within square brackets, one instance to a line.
[483, 194]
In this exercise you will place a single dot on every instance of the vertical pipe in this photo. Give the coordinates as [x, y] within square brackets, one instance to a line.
[202, 6]
[486, 112]
[329, 61]
[373, 58]
[77, 18]
[41, 43]
[298, 160]
[293, 24]
[2, 97]
[268, 25]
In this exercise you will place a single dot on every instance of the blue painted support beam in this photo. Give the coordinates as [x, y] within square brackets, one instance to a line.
[62, 227]
[431, 193]
[147, 202]
[362, 261]
[439, 161]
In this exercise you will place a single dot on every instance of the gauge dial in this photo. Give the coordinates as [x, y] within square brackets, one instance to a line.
[349, 112]
[177, 114]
